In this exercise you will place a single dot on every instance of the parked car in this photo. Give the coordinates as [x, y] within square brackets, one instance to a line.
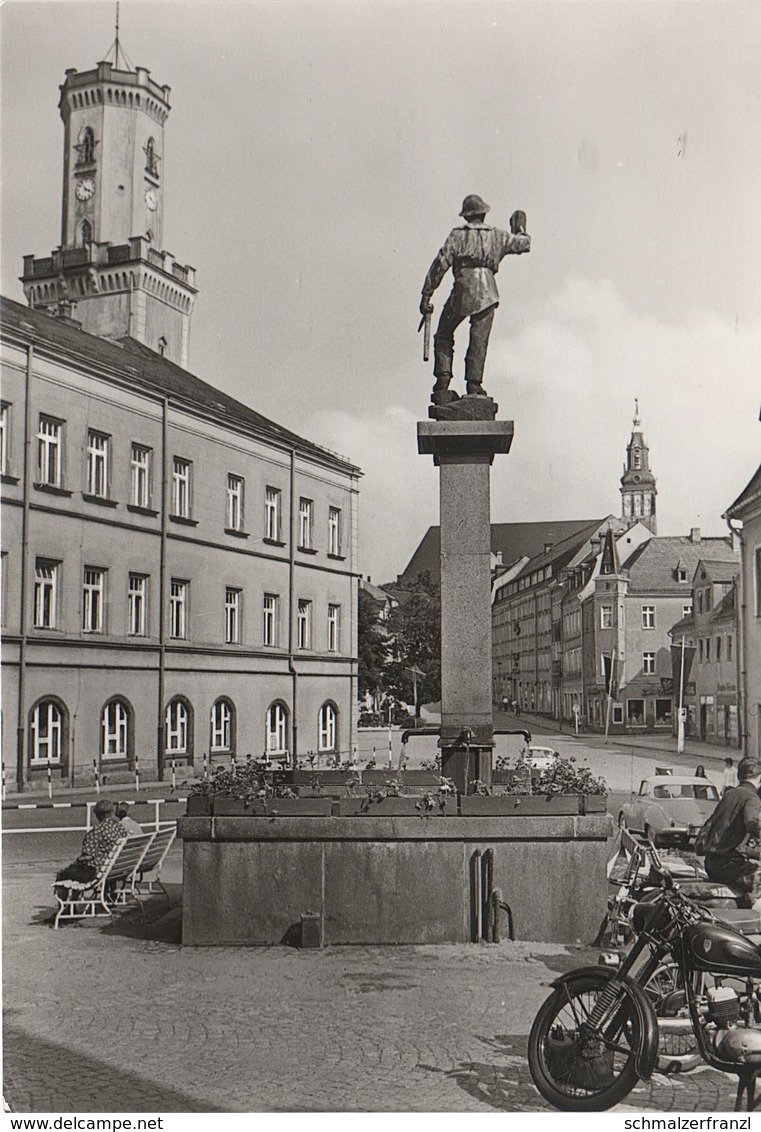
[669, 808]
[540, 758]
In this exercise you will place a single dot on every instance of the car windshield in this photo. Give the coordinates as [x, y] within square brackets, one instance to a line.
[702, 792]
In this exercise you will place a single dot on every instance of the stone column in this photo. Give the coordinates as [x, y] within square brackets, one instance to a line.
[464, 450]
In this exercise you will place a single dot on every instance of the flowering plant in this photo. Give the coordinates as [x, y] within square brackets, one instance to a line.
[563, 777]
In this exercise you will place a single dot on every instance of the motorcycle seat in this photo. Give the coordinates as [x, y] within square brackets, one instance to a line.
[747, 921]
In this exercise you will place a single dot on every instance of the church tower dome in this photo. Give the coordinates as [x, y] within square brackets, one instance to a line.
[638, 490]
[109, 271]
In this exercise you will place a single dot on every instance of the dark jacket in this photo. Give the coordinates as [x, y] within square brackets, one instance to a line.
[736, 817]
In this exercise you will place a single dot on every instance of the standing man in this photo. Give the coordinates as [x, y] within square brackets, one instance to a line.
[474, 253]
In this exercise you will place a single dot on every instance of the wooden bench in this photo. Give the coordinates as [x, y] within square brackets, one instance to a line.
[155, 855]
[111, 889]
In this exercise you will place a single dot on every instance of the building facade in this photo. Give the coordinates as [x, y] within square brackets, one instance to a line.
[706, 654]
[745, 515]
[179, 573]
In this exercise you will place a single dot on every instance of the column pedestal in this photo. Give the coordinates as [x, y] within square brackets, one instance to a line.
[463, 450]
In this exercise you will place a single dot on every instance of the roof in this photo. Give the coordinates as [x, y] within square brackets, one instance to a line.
[562, 552]
[720, 570]
[747, 498]
[132, 362]
[652, 566]
[512, 540]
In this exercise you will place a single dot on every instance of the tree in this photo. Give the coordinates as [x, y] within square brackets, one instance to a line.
[373, 647]
[415, 630]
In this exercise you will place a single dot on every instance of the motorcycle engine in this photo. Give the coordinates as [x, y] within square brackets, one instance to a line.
[732, 1042]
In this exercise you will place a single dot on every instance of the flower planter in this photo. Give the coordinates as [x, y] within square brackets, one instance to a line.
[379, 777]
[419, 778]
[521, 805]
[222, 807]
[402, 806]
[199, 806]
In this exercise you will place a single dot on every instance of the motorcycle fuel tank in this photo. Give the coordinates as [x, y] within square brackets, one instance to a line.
[714, 947]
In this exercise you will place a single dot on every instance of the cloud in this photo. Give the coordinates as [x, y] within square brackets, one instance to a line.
[568, 378]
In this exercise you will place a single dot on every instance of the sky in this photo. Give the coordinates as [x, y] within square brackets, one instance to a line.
[316, 157]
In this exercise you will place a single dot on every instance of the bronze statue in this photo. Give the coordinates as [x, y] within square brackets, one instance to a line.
[474, 252]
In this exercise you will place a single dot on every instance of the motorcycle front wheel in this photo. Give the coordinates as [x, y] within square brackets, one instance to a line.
[579, 1066]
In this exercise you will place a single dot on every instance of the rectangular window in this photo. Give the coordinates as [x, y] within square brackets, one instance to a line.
[718, 650]
[140, 476]
[648, 616]
[5, 412]
[708, 650]
[334, 628]
[46, 578]
[98, 445]
[635, 713]
[334, 531]
[729, 647]
[648, 663]
[137, 593]
[663, 711]
[700, 651]
[757, 561]
[686, 610]
[181, 486]
[235, 492]
[272, 499]
[93, 598]
[271, 619]
[178, 609]
[306, 519]
[304, 624]
[232, 616]
[50, 452]
[618, 713]
[606, 616]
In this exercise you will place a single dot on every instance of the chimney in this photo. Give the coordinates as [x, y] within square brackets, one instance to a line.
[369, 579]
[695, 534]
[595, 544]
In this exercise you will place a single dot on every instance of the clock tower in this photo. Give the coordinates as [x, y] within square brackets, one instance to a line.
[638, 489]
[109, 271]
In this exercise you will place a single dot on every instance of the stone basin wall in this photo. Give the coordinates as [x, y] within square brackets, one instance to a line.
[389, 880]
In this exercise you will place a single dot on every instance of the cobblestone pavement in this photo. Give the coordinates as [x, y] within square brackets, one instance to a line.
[123, 1019]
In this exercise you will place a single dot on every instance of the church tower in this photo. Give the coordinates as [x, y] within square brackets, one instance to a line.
[109, 272]
[638, 489]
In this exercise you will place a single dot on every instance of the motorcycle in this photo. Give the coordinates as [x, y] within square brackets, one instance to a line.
[597, 1034]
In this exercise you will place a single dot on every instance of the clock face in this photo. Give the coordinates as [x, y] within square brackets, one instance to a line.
[151, 199]
[85, 188]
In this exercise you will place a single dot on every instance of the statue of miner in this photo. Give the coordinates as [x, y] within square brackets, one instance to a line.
[474, 253]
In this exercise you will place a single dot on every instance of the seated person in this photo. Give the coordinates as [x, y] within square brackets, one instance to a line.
[96, 847]
[128, 824]
[731, 850]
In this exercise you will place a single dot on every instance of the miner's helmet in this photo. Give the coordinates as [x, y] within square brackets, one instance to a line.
[473, 205]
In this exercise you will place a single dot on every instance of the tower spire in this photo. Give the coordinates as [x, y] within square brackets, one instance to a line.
[638, 490]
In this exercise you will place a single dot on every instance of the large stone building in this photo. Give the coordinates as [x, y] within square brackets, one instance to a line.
[179, 572]
[745, 514]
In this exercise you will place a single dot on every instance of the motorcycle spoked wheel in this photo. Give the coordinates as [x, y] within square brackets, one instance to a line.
[665, 989]
[577, 1070]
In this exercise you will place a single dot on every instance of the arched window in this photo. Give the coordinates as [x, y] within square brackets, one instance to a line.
[327, 728]
[48, 734]
[86, 147]
[116, 730]
[178, 731]
[277, 729]
[86, 230]
[222, 737]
